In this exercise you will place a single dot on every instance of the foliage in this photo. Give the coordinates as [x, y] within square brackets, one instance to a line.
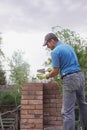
[7, 98]
[2, 77]
[19, 70]
[2, 73]
[1, 52]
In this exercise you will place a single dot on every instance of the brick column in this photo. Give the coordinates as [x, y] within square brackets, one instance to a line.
[52, 104]
[41, 107]
[32, 107]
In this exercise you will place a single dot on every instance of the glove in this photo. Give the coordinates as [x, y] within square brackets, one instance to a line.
[41, 76]
[49, 69]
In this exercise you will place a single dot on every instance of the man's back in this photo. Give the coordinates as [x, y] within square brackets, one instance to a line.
[64, 57]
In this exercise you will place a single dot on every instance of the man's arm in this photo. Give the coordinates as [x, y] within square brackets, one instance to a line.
[53, 73]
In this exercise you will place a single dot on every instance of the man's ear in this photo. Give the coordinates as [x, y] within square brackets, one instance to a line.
[53, 41]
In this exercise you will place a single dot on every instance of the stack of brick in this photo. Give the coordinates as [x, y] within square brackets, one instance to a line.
[32, 107]
[52, 103]
[40, 106]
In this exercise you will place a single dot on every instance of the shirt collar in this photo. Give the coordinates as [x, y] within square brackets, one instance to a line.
[58, 43]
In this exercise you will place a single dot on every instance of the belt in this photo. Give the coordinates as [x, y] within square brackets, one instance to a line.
[70, 73]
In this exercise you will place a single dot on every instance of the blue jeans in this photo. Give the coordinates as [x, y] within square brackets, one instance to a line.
[73, 90]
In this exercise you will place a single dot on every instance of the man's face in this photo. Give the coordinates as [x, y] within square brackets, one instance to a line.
[50, 44]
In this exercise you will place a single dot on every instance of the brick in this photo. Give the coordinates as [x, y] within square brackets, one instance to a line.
[28, 97]
[52, 118]
[31, 92]
[39, 93]
[37, 97]
[24, 102]
[39, 126]
[50, 110]
[24, 112]
[24, 129]
[30, 126]
[59, 105]
[52, 128]
[35, 102]
[59, 96]
[32, 97]
[51, 92]
[36, 116]
[49, 96]
[27, 116]
[27, 92]
[31, 116]
[52, 105]
[51, 86]
[35, 121]
[28, 107]
[39, 107]
[35, 111]
[24, 122]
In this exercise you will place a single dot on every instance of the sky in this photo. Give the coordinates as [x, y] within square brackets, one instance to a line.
[24, 23]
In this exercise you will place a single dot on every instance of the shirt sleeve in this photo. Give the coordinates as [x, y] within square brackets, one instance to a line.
[55, 59]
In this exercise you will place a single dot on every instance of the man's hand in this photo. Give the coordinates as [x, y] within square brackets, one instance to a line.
[47, 76]
[52, 73]
[41, 76]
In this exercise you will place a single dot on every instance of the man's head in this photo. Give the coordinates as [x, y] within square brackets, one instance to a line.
[50, 40]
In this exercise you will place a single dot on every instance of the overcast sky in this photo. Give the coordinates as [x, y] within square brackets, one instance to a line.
[24, 23]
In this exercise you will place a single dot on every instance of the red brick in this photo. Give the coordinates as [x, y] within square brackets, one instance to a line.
[30, 126]
[49, 96]
[24, 112]
[39, 107]
[28, 97]
[35, 111]
[39, 126]
[39, 93]
[35, 102]
[28, 107]
[35, 121]
[38, 97]
[24, 102]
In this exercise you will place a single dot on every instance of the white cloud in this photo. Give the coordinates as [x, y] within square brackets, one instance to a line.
[40, 15]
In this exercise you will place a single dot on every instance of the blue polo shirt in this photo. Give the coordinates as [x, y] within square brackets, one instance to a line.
[64, 57]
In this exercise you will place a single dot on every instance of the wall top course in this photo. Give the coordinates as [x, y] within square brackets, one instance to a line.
[51, 85]
[33, 86]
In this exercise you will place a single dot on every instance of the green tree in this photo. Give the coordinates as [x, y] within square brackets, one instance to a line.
[19, 70]
[2, 73]
[2, 77]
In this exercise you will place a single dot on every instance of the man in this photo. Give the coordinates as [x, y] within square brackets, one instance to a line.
[65, 62]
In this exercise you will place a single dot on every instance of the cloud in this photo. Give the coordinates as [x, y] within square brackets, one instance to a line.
[27, 15]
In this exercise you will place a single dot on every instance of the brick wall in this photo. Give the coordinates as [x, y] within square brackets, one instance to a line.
[40, 106]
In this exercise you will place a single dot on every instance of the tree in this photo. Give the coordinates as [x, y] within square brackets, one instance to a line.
[19, 70]
[2, 77]
[1, 52]
[2, 73]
